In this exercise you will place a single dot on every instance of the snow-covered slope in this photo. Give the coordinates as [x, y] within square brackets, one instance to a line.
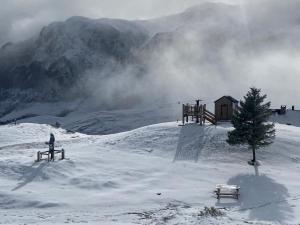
[292, 117]
[159, 174]
[76, 116]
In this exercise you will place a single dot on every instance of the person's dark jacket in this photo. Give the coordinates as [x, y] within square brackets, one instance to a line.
[51, 142]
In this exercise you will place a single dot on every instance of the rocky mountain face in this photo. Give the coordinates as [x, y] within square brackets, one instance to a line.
[126, 61]
[53, 63]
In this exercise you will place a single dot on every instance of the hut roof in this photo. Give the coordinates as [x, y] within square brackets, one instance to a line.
[228, 97]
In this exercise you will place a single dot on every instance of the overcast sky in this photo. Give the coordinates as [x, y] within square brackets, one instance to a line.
[20, 19]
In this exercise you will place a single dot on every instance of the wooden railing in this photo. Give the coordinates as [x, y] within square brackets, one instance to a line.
[198, 112]
[209, 116]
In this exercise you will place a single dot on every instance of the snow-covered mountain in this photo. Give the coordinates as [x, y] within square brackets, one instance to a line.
[118, 64]
[54, 62]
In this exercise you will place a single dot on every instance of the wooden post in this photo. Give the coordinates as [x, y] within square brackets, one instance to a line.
[183, 112]
[197, 110]
[187, 114]
[218, 193]
[204, 108]
[201, 114]
[62, 154]
[38, 158]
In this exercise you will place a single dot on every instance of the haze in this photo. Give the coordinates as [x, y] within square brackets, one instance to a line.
[265, 57]
[21, 19]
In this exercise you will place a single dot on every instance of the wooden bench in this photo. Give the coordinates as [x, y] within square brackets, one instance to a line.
[48, 154]
[225, 190]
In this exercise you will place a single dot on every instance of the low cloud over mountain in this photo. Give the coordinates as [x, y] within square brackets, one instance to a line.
[209, 50]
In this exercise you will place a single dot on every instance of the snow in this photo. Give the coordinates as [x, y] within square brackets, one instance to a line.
[79, 116]
[292, 117]
[158, 174]
[29, 132]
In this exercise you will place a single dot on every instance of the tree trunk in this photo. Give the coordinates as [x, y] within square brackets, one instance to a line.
[254, 157]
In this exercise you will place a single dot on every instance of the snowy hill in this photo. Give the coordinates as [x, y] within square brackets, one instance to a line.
[115, 179]
[292, 117]
[81, 117]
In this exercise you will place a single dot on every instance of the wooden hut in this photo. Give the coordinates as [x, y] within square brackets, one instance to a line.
[224, 108]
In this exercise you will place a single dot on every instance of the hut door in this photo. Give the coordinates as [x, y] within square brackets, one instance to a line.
[224, 112]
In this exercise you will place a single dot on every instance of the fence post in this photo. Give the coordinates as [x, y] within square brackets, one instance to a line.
[38, 157]
[183, 107]
[197, 110]
[187, 115]
[62, 154]
[193, 112]
[201, 114]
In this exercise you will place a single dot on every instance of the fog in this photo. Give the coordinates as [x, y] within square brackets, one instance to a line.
[223, 56]
[21, 19]
[225, 53]
[258, 47]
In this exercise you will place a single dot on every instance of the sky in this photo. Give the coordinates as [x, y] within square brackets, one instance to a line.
[21, 19]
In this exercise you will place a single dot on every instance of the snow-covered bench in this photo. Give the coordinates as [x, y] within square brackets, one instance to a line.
[226, 190]
[48, 154]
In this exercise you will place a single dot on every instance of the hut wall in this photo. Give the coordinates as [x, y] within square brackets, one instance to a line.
[223, 109]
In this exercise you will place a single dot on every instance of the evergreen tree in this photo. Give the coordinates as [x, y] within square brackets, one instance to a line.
[251, 123]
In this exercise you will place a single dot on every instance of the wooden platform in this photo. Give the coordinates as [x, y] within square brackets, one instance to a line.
[198, 112]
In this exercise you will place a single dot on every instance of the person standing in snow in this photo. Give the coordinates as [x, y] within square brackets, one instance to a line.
[51, 146]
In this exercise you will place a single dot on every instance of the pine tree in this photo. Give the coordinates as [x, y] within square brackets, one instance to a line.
[251, 123]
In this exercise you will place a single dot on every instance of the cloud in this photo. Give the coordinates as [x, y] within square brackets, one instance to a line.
[21, 19]
[258, 48]
[228, 56]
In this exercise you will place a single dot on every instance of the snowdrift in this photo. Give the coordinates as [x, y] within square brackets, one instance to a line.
[158, 174]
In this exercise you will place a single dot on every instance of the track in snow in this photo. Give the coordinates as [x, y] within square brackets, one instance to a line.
[192, 140]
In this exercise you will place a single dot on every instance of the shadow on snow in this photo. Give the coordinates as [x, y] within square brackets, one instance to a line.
[262, 196]
[30, 174]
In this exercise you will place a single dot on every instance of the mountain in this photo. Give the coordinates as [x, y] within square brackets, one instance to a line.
[207, 51]
[53, 63]
[57, 63]
[196, 16]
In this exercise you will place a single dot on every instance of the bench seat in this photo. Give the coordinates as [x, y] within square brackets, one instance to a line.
[225, 190]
